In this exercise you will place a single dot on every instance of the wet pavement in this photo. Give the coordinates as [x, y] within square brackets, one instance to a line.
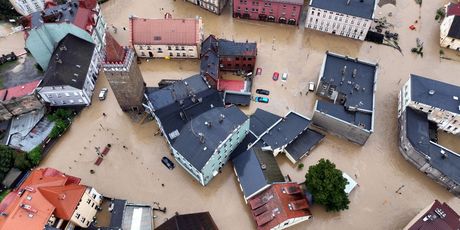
[136, 173]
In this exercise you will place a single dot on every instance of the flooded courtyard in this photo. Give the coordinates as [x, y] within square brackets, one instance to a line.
[137, 174]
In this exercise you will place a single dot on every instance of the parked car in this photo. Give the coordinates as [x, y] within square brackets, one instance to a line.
[284, 77]
[263, 91]
[311, 86]
[103, 94]
[261, 99]
[168, 163]
[275, 76]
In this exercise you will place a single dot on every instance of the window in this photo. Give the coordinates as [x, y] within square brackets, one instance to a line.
[88, 201]
[77, 215]
[83, 220]
[169, 47]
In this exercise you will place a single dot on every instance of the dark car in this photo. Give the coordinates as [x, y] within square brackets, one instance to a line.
[168, 163]
[261, 99]
[263, 91]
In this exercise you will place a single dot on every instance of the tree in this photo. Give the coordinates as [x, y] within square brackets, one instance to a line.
[327, 186]
[35, 155]
[21, 162]
[6, 160]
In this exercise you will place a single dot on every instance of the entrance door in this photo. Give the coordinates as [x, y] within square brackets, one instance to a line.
[150, 54]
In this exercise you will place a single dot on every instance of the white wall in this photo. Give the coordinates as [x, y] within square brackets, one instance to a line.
[445, 41]
[87, 208]
[162, 51]
[26, 7]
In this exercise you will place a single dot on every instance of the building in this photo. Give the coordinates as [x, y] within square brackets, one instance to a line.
[426, 106]
[124, 76]
[71, 74]
[49, 199]
[279, 206]
[166, 38]
[215, 6]
[279, 11]
[192, 221]
[291, 134]
[256, 170]
[450, 27]
[435, 216]
[44, 30]
[348, 18]
[237, 56]
[206, 142]
[26, 7]
[347, 89]
[18, 100]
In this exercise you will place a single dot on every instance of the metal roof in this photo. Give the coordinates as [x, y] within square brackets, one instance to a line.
[237, 98]
[232, 48]
[256, 169]
[198, 151]
[418, 134]
[358, 8]
[449, 221]
[261, 121]
[435, 93]
[248, 140]
[192, 221]
[303, 144]
[286, 130]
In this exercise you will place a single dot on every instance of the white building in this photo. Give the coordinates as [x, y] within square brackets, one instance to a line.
[348, 18]
[26, 7]
[450, 27]
[71, 74]
[215, 6]
[166, 38]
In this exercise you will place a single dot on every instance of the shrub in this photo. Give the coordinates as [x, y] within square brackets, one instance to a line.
[22, 162]
[35, 155]
[6, 160]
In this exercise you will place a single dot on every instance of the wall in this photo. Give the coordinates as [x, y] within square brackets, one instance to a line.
[237, 63]
[26, 7]
[445, 41]
[214, 6]
[337, 23]
[87, 208]
[267, 11]
[290, 222]
[162, 51]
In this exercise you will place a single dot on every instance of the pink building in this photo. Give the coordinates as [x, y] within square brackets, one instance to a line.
[281, 11]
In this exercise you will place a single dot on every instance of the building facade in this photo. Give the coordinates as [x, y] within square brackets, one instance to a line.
[237, 56]
[215, 6]
[437, 215]
[26, 7]
[450, 27]
[72, 73]
[279, 11]
[166, 38]
[348, 18]
[124, 76]
[44, 30]
[347, 88]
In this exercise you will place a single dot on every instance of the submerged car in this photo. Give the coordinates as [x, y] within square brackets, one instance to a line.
[261, 99]
[263, 91]
[168, 163]
[103, 94]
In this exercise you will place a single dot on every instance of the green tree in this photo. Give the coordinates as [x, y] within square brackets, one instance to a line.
[6, 160]
[327, 186]
[22, 162]
[35, 155]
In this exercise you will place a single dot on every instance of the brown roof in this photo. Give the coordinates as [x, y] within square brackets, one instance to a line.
[64, 198]
[277, 204]
[453, 9]
[165, 31]
[115, 53]
[436, 216]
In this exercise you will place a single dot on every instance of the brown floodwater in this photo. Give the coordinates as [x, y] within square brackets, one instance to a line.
[136, 173]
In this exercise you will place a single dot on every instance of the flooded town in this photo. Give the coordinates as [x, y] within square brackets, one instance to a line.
[161, 137]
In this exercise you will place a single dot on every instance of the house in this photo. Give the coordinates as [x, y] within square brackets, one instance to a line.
[279, 206]
[450, 27]
[44, 30]
[192, 221]
[279, 11]
[26, 7]
[426, 106]
[18, 100]
[347, 89]
[215, 6]
[291, 135]
[71, 75]
[237, 56]
[49, 199]
[436, 216]
[166, 38]
[256, 170]
[123, 74]
[206, 142]
[348, 18]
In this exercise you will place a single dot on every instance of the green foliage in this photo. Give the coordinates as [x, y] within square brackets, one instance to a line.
[440, 14]
[300, 166]
[7, 11]
[22, 162]
[61, 118]
[6, 160]
[35, 155]
[327, 186]
[3, 194]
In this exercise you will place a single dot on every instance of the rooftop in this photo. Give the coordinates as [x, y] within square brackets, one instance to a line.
[146, 31]
[435, 93]
[69, 63]
[440, 158]
[248, 140]
[358, 8]
[18, 91]
[435, 216]
[303, 144]
[114, 52]
[256, 170]
[261, 121]
[286, 130]
[454, 31]
[232, 48]
[237, 98]
[453, 9]
[193, 221]
[277, 204]
[296, 2]
[348, 85]
[202, 135]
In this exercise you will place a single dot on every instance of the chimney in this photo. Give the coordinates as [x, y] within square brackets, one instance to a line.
[355, 71]
[201, 136]
[344, 70]
[348, 2]
[208, 124]
[221, 118]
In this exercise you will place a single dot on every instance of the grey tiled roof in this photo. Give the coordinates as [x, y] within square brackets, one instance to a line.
[261, 121]
[303, 144]
[286, 131]
[358, 8]
[454, 31]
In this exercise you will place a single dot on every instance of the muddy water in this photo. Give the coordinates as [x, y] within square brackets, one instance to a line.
[137, 173]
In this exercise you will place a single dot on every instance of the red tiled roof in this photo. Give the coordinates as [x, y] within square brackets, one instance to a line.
[164, 31]
[114, 51]
[436, 216]
[18, 91]
[453, 9]
[84, 19]
[64, 198]
[278, 203]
